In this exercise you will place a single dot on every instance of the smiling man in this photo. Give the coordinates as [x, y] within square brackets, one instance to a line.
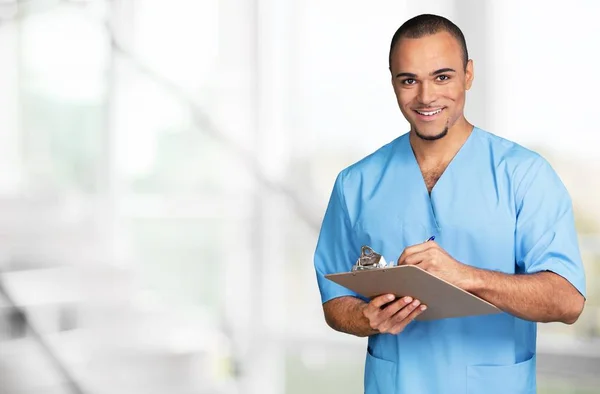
[502, 219]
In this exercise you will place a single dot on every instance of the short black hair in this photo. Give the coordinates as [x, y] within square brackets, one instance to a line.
[425, 25]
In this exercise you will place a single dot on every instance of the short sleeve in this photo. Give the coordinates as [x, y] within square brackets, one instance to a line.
[336, 249]
[546, 239]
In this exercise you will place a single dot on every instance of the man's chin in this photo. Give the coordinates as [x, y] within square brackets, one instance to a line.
[431, 136]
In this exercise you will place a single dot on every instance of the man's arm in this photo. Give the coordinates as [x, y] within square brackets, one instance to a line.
[345, 314]
[542, 297]
[550, 284]
[356, 317]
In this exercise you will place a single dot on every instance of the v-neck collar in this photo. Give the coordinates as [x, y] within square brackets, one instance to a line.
[413, 165]
[448, 168]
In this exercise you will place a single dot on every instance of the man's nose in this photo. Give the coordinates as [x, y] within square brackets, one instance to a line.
[427, 93]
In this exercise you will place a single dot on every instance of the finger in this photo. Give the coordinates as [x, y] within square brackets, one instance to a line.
[417, 258]
[393, 308]
[385, 314]
[408, 319]
[399, 313]
[379, 301]
[411, 250]
[401, 258]
[403, 314]
[425, 265]
[407, 252]
[374, 306]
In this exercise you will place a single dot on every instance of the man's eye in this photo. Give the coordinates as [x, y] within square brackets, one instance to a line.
[409, 81]
[443, 78]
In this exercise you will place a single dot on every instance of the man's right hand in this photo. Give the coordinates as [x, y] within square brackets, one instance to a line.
[394, 317]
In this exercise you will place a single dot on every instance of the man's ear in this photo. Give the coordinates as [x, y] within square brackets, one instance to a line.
[469, 75]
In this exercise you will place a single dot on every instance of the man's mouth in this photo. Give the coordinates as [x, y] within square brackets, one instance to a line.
[431, 112]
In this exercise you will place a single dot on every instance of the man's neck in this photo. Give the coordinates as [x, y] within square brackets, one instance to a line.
[443, 150]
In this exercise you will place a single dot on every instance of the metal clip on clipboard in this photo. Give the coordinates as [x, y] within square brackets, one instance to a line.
[369, 259]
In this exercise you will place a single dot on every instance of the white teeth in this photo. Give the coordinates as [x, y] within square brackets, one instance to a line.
[430, 113]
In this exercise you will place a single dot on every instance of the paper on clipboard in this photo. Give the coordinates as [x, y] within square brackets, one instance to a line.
[443, 299]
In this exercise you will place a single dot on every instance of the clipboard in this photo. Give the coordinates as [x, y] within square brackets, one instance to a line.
[443, 299]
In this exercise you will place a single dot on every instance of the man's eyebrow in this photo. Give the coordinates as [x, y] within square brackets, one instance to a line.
[442, 70]
[436, 72]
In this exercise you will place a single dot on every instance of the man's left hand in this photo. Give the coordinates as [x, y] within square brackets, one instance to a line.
[430, 257]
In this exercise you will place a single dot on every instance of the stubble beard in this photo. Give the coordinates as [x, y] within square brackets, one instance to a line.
[432, 137]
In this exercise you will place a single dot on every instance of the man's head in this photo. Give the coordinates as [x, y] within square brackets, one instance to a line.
[431, 73]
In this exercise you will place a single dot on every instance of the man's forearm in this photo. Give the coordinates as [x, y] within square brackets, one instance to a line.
[345, 314]
[541, 297]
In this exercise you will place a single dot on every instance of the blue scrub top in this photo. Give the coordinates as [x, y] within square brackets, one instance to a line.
[497, 206]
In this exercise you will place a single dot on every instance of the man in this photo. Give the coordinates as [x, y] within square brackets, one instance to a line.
[503, 224]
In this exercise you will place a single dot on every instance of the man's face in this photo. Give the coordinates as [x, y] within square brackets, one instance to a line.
[430, 82]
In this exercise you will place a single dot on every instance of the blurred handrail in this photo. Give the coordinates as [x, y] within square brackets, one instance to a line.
[205, 124]
[73, 385]
[202, 120]
[55, 361]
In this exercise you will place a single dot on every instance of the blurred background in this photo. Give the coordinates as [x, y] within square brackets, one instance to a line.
[165, 165]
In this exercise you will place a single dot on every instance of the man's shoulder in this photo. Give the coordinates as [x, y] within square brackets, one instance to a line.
[525, 167]
[508, 152]
[373, 163]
